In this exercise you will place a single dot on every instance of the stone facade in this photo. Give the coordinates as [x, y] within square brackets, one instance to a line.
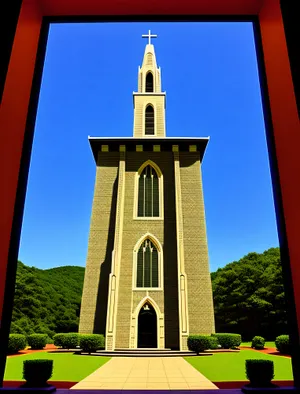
[100, 246]
[182, 302]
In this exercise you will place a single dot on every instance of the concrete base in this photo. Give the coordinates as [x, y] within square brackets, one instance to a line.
[263, 390]
[28, 390]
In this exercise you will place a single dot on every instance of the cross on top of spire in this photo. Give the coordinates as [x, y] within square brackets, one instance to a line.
[149, 36]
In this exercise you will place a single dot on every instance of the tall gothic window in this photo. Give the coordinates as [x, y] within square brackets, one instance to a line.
[147, 265]
[149, 82]
[149, 120]
[148, 193]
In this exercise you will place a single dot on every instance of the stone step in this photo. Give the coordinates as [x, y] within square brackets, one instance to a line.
[144, 353]
[151, 349]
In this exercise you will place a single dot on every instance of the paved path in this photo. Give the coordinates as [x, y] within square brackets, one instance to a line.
[140, 373]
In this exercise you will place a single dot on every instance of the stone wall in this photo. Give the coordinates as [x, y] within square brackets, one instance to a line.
[100, 246]
[199, 290]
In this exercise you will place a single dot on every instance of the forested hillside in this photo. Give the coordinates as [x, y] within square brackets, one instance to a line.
[47, 301]
[248, 298]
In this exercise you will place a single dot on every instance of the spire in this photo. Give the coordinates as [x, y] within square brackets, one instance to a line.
[149, 66]
[149, 100]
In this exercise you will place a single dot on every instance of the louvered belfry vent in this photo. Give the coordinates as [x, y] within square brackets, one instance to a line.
[147, 265]
[149, 120]
[148, 193]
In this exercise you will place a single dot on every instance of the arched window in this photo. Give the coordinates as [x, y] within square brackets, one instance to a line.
[147, 265]
[149, 120]
[148, 193]
[149, 82]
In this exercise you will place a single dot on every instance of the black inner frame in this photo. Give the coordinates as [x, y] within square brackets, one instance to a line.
[27, 147]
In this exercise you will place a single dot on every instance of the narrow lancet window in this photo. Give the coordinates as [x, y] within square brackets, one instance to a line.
[147, 265]
[149, 82]
[148, 193]
[149, 120]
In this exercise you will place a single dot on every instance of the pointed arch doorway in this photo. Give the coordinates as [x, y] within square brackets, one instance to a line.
[147, 327]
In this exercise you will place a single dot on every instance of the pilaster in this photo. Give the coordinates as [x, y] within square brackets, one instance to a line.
[182, 280]
[114, 276]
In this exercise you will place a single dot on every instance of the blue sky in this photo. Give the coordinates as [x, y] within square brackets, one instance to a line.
[209, 72]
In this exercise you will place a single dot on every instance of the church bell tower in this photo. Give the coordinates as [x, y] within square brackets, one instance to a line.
[149, 101]
[147, 282]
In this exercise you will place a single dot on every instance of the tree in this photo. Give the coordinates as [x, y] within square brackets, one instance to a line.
[249, 296]
[47, 301]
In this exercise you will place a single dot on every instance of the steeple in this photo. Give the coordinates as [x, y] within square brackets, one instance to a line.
[149, 100]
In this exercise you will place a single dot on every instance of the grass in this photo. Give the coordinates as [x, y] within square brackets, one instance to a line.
[224, 367]
[66, 367]
[267, 344]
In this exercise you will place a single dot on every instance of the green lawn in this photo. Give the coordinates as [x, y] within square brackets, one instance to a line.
[66, 366]
[231, 366]
[267, 344]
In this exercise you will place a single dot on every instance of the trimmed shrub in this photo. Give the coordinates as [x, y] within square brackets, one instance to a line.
[199, 343]
[72, 339]
[213, 343]
[91, 342]
[260, 372]
[37, 372]
[58, 340]
[283, 344]
[228, 341]
[37, 341]
[258, 343]
[16, 342]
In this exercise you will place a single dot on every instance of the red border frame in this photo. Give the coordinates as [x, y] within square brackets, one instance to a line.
[281, 106]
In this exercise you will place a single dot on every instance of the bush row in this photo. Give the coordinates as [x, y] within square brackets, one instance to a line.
[88, 343]
[18, 342]
[228, 341]
[92, 342]
[282, 343]
[199, 343]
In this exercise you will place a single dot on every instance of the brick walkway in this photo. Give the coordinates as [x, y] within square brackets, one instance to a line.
[146, 373]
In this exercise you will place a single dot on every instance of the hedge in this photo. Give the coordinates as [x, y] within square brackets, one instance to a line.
[37, 372]
[258, 343]
[58, 339]
[199, 343]
[213, 343]
[260, 372]
[91, 342]
[67, 340]
[228, 341]
[16, 342]
[37, 341]
[283, 344]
